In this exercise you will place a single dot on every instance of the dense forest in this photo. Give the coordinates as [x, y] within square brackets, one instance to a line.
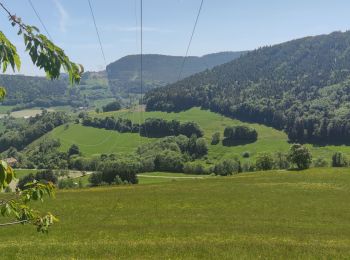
[159, 70]
[301, 86]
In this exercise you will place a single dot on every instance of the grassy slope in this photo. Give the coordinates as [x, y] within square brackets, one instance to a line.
[94, 141]
[283, 215]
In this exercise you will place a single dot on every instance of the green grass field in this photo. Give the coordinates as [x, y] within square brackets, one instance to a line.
[272, 215]
[96, 141]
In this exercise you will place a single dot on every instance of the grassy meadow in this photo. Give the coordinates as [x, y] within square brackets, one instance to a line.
[96, 141]
[271, 215]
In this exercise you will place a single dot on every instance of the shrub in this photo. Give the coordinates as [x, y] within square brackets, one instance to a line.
[245, 154]
[320, 162]
[169, 161]
[215, 139]
[67, 184]
[227, 167]
[339, 160]
[73, 150]
[125, 169]
[45, 175]
[300, 156]
[95, 179]
[264, 161]
[201, 147]
[281, 160]
[248, 167]
[195, 168]
[113, 106]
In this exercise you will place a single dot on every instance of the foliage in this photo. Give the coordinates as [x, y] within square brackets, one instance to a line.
[246, 154]
[264, 161]
[113, 106]
[339, 160]
[281, 160]
[215, 139]
[66, 184]
[125, 169]
[44, 176]
[320, 162]
[43, 53]
[227, 167]
[16, 205]
[239, 133]
[300, 156]
[169, 160]
[196, 168]
[73, 150]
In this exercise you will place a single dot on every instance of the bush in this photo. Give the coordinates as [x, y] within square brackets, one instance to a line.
[215, 139]
[95, 179]
[113, 106]
[43, 176]
[281, 161]
[73, 150]
[201, 147]
[169, 161]
[245, 154]
[46, 175]
[264, 162]
[67, 184]
[248, 167]
[238, 133]
[125, 169]
[196, 168]
[320, 162]
[227, 167]
[300, 156]
[339, 160]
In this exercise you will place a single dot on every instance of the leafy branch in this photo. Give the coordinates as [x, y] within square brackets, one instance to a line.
[17, 205]
[43, 52]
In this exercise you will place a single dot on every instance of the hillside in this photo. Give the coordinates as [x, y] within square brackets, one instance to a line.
[285, 215]
[301, 86]
[159, 70]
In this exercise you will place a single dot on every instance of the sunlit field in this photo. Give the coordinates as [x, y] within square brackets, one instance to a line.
[277, 214]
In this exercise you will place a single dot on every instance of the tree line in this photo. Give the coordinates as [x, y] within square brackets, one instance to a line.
[152, 127]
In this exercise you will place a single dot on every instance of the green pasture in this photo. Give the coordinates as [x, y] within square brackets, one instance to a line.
[271, 215]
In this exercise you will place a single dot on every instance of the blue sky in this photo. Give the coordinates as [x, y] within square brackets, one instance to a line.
[224, 25]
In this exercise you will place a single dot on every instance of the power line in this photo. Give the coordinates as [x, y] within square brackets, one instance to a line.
[39, 18]
[97, 32]
[189, 44]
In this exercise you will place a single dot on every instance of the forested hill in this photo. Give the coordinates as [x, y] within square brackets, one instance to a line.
[159, 70]
[302, 86]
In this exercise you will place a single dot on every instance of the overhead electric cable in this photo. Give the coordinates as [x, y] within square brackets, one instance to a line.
[97, 32]
[189, 43]
[39, 18]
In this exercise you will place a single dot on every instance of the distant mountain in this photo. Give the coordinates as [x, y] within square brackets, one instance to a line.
[301, 86]
[159, 70]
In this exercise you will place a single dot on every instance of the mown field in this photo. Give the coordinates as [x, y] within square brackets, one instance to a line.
[96, 141]
[272, 215]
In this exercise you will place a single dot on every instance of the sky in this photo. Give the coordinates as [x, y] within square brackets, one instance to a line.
[224, 25]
